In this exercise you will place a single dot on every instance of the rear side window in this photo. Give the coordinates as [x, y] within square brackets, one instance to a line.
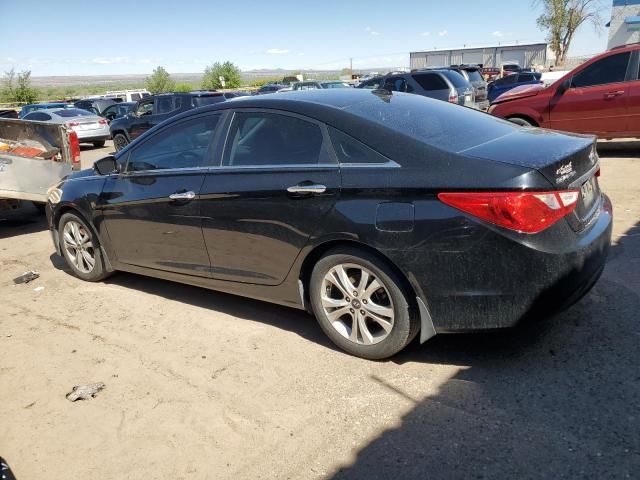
[610, 69]
[431, 81]
[372, 84]
[262, 139]
[350, 150]
[164, 105]
[397, 84]
[508, 80]
[73, 112]
[456, 78]
[135, 97]
[183, 145]
[474, 76]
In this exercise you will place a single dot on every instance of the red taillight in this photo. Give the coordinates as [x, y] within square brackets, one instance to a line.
[102, 122]
[598, 173]
[453, 98]
[527, 212]
[74, 146]
[73, 124]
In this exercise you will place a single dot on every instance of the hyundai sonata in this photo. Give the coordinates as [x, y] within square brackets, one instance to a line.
[385, 214]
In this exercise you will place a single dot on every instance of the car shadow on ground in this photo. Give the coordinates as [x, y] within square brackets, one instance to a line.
[22, 221]
[619, 148]
[293, 320]
[554, 398]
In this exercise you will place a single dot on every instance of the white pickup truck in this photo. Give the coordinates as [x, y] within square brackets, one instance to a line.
[33, 157]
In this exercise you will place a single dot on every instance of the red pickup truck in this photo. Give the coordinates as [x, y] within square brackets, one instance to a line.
[601, 97]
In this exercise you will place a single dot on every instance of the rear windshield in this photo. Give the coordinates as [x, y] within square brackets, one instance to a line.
[73, 112]
[448, 127]
[454, 77]
[474, 76]
[208, 100]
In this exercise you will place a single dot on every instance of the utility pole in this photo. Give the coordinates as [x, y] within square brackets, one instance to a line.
[351, 67]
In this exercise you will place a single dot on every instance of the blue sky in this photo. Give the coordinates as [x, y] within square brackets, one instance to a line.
[89, 37]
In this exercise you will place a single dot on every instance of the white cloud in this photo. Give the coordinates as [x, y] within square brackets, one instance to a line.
[425, 34]
[277, 51]
[443, 33]
[497, 33]
[372, 31]
[11, 59]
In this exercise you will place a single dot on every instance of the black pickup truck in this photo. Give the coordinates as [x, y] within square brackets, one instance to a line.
[151, 111]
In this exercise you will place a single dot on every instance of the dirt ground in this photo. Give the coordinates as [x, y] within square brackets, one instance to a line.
[204, 385]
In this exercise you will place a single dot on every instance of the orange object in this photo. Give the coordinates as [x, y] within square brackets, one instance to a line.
[27, 151]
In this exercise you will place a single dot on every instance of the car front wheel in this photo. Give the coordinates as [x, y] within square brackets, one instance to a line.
[521, 121]
[80, 248]
[361, 305]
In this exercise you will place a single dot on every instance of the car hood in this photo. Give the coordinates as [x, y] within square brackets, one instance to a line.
[522, 91]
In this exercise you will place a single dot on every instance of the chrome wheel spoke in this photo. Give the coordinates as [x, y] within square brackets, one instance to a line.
[88, 259]
[385, 324]
[379, 309]
[328, 302]
[364, 279]
[371, 289]
[365, 334]
[78, 247]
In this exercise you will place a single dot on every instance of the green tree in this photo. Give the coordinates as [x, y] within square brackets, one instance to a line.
[160, 81]
[24, 92]
[560, 19]
[212, 74]
[183, 87]
[8, 86]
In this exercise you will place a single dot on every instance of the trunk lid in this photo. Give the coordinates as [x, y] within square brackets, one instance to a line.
[567, 161]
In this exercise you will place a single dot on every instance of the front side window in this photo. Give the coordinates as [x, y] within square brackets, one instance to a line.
[611, 69]
[262, 139]
[183, 145]
[397, 84]
[145, 108]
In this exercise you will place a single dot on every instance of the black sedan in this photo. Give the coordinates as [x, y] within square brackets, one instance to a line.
[384, 214]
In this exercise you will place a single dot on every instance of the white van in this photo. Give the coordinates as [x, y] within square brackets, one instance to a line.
[128, 95]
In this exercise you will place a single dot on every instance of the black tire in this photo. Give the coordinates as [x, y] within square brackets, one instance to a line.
[120, 141]
[522, 122]
[99, 271]
[405, 323]
[99, 144]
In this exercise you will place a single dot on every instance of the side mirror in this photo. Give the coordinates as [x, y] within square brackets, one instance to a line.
[106, 166]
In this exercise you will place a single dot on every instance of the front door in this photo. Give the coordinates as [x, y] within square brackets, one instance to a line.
[276, 185]
[152, 209]
[596, 101]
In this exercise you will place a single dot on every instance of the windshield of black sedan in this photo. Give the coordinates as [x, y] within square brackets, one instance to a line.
[452, 128]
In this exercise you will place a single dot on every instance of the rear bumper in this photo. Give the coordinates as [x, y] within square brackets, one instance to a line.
[499, 282]
[93, 137]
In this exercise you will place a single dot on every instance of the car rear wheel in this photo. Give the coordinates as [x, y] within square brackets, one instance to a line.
[523, 122]
[120, 141]
[99, 144]
[360, 304]
[80, 248]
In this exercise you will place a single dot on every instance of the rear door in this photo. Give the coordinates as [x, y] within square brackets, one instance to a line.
[276, 184]
[152, 209]
[596, 101]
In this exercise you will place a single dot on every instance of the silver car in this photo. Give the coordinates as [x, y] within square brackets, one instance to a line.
[89, 127]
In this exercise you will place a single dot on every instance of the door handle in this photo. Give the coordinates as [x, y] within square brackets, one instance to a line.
[614, 94]
[183, 196]
[307, 189]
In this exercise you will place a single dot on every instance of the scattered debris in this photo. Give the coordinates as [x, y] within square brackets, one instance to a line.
[26, 277]
[38, 289]
[30, 405]
[84, 392]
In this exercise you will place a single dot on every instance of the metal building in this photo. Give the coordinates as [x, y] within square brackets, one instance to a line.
[525, 55]
[624, 26]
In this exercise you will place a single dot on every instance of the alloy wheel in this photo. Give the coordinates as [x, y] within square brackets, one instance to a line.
[78, 246]
[357, 303]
